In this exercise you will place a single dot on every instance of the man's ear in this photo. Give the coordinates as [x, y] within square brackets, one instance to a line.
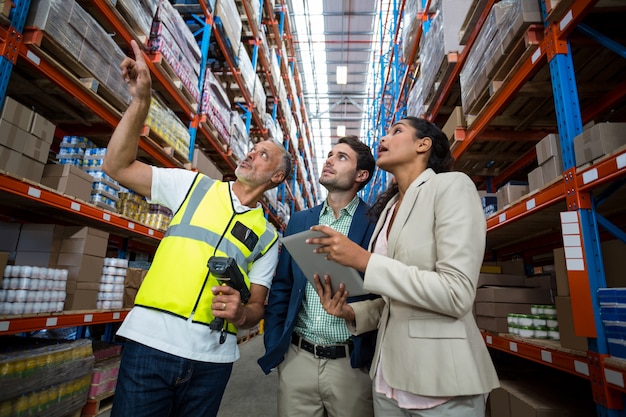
[278, 177]
[362, 175]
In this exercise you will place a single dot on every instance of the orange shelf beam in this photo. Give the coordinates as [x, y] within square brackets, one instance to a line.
[565, 361]
[32, 192]
[19, 324]
[531, 204]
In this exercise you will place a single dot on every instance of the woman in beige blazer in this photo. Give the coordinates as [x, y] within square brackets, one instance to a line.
[424, 259]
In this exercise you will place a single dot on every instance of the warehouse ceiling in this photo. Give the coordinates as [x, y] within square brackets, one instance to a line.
[329, 34]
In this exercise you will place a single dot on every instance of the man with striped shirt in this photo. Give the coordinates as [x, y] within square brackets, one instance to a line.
[323, 370]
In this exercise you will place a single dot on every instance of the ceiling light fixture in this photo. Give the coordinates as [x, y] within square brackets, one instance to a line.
[342, 74]
[341, 131]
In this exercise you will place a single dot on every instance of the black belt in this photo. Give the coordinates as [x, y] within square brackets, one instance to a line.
[322, 351]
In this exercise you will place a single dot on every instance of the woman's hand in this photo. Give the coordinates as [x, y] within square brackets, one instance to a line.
[334, 304]
[340, 248]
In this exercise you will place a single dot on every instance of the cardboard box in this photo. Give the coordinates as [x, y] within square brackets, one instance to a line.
[68, 179]
[10, 160]
[548, 147]
[203, 164]
[489, 309]
[35, 148]
[81, 267]
[551, 169]
[613, 255]
[513, 295]
[598, 140]
[4, 260]
[30, 168]
[560, 270]
[10, 136]
[566, 325]
[85, 240]
[36, 237]
[81, 300]
[45, 259]
[17, 114]
[510, 193]
[456, 120]
[42, 128]
[502, 280]
[493, 324]
[10, 233]
[129, 297]
[535, 179]
[499, 403]
[134, 277]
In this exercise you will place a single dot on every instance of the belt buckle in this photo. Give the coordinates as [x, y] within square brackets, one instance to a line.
[315, 355]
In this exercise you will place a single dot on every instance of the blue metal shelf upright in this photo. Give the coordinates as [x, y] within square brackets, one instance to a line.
[11, 44]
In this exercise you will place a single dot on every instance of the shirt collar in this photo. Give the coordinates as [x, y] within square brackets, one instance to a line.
[349, 209]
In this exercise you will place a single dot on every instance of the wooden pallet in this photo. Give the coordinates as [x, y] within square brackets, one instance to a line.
[448, 63]
[98, 406]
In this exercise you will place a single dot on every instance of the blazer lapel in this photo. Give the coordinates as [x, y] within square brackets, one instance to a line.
[357, 228]
[405, 209]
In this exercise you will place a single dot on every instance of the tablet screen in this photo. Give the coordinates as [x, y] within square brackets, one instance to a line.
[316, 263]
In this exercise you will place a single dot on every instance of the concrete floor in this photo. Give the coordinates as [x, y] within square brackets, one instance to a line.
[250, 392]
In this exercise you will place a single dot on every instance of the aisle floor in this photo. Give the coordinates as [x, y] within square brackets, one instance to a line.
[250, 392]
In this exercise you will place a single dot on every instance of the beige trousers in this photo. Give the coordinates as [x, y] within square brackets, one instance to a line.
[311, 387]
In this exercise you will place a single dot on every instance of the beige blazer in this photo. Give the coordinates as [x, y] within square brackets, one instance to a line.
[427, 334]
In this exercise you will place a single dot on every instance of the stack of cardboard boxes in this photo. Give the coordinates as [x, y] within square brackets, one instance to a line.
[78, 249]
[25, 139]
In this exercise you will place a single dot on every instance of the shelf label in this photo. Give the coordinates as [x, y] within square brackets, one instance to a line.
[590, 176]
[34, 192]
[571, 240]
[581, 368]
[613, 377]
[52, 321]
[116, 315]
[4, 326]
[536, 55]
[566, 20]
[75, 206]
[621, 161]
[575, 264]
[530, 204]
[151, 232]
[489, 340]
[106, 216]
[88, 318]
[34, 58]
[546, 356]
[131, 225]
[513, 346]
[571, 228]
[502, 217]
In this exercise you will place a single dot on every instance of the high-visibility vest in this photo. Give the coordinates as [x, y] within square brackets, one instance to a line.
[205, 225]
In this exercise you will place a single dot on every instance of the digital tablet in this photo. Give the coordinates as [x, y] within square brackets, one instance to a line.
[316, 263]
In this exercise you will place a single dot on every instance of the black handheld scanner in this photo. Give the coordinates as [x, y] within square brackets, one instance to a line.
[226, 271]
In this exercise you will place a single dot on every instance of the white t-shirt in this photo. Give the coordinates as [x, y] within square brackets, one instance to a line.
[172, 334]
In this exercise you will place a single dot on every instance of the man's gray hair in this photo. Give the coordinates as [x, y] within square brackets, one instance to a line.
[286, 164]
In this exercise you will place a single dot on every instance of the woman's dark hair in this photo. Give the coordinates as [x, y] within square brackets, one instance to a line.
[440, 159]
[364, 158]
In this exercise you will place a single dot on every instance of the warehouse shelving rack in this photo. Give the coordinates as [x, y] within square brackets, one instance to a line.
[18, 43]
[521, 227]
